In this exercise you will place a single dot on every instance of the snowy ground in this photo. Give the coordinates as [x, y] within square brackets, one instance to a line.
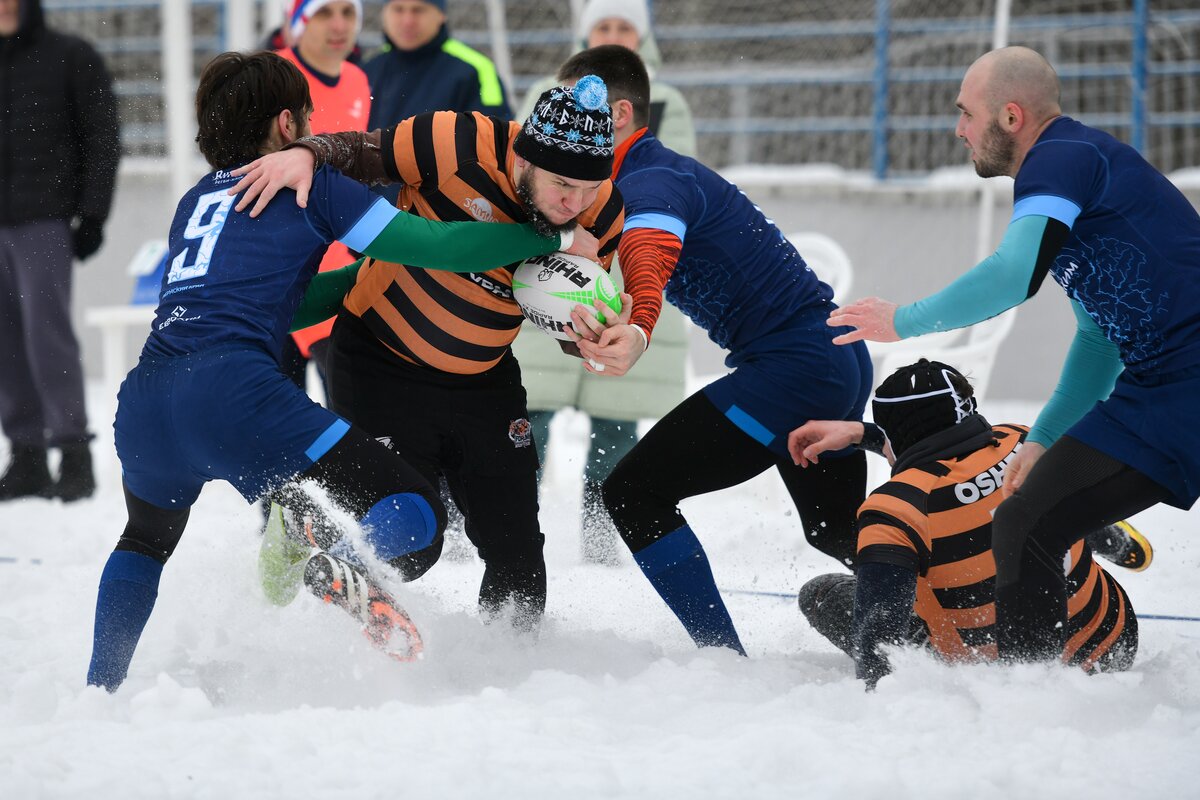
[230, 697]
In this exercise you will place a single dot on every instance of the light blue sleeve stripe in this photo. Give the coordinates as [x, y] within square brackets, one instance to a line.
[370, 225]
[663, 222]
[325, 442]
[1046, 205]
[752, 427]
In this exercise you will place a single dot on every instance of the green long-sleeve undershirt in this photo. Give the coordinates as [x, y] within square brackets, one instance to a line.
[457, 246]
[430, 244]
[324, 295]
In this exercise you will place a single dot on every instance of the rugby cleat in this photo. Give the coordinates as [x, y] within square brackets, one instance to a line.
[1123, 545]
[286, 547]
[384, 622]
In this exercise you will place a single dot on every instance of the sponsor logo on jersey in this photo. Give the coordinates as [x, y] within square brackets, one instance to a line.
[520, 432]
[480, 209]
[223, 176]
[498, 289]
[386, 441]
[177, 315]
[984, 483]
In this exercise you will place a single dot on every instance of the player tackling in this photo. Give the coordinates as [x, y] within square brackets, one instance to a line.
[207, 399]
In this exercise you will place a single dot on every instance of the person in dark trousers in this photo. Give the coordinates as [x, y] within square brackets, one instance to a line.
[925, 569]
[59, 148]
[208, 400]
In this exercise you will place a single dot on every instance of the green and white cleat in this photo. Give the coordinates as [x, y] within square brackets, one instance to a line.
[282, 556]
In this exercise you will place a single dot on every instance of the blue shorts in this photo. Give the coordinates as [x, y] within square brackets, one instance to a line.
[790, 376]
[227, 413]
[1148, 423]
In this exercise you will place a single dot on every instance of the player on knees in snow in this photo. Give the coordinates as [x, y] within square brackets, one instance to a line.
[726, 266]
[1115, 438]
[207, 399]
[423, 358]
[925, 569]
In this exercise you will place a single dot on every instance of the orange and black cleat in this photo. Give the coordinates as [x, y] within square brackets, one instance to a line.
[385, 623]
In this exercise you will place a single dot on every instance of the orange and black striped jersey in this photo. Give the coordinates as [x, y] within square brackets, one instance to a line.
[458, 167]
[941, 511]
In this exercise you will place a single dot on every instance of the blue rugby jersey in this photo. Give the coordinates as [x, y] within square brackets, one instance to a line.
[1133, 258]
[233, 278]
[737, 276]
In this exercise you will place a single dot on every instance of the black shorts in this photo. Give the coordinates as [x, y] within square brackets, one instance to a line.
[472, 429]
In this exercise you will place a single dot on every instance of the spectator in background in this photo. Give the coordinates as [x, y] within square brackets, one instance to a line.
[554, 382]
[627, 23]
[282, 37]
[324, 33]
[60, 145]
[422, 68]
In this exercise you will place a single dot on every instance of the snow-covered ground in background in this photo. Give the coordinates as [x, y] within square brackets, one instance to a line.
[231, 697]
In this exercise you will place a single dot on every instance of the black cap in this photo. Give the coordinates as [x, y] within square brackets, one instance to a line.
[920, 400]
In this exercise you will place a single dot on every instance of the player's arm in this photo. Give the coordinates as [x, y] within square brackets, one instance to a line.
[324, 295]
[889, 560]
[386, 233]
[1089, 373]
[1005, 279]
[1088, 376]
[817, 436]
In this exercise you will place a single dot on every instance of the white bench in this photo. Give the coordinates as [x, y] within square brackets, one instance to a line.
[114, 321]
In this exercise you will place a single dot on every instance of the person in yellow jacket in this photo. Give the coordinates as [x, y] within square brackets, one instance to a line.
[553, 381]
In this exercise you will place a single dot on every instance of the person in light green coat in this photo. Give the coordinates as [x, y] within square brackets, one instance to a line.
[554, 381]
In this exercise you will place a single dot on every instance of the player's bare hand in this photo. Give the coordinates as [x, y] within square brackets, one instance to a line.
[586, 324]
[817, 436]
[611, 347]
[585, 244]
[264, 177]
[872, 318]
[1018, 469]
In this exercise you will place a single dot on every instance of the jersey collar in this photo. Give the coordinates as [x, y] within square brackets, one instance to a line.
[623, 149]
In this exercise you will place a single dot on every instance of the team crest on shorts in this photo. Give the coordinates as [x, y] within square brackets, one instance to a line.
[520, 432]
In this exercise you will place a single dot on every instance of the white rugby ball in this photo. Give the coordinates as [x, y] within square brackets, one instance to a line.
[548, 287]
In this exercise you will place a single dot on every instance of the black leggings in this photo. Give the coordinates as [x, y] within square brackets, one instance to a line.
[357, 472]
[695, 449]
[1072, 489]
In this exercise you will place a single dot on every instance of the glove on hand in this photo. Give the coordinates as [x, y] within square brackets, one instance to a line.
[86, 237]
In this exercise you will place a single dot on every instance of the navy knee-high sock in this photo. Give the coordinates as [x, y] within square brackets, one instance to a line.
[128, 589]
[679, 571]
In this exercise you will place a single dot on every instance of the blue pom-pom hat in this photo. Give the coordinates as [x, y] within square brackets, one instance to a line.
[570, 131]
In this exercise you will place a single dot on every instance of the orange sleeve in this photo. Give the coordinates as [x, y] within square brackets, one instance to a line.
[648, 257]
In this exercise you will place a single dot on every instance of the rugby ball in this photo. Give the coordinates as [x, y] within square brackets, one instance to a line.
[548, 287]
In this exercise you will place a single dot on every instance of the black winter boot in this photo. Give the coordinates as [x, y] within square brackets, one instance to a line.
[27, 474]
[75, 477]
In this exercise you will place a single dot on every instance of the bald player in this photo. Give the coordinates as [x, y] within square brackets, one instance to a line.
[1116, 436]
